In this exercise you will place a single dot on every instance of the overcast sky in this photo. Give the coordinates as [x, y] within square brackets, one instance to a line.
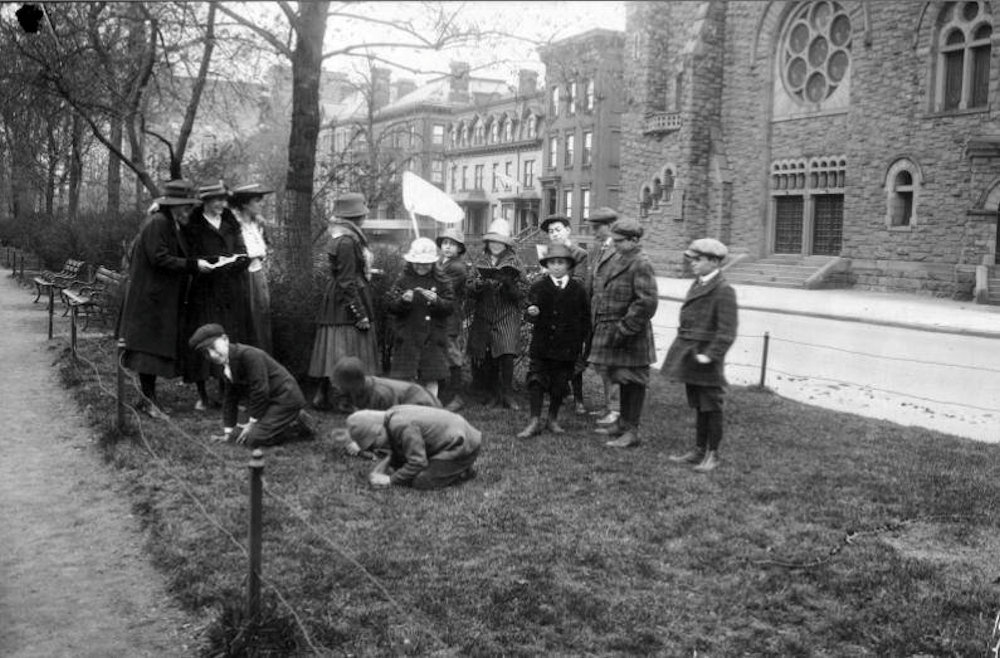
[543, 20]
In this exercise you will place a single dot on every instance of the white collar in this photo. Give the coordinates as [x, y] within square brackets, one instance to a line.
[560, 281]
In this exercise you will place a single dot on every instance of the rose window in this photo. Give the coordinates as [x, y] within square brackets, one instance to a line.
[816, 51]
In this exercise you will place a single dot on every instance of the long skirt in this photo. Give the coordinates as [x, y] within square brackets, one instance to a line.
[260, 308]
[335, 341]
[145, 363]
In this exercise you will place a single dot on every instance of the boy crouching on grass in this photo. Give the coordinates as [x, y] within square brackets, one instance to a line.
[560, 311]
[706, 330]
[274, 400]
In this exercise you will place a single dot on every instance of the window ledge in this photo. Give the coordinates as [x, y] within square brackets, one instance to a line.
[901, 229]
[944, 114]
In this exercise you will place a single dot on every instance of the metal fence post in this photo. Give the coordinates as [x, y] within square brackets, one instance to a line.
[120, 375]
[52, 308]
[72, 331]
[763, 361]
[256, 489]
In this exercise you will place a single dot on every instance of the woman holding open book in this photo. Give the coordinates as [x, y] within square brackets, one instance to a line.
[497, 290]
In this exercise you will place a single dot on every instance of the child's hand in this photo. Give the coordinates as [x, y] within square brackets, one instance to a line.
[702, 358]
[408, 296]
[533, 310]
[430, 295]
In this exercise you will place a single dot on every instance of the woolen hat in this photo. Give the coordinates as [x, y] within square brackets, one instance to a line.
[707, 247]
[558, 251]
[499, 231]
[627, 228]
[453, 234]
[348, 373]
[350, 205]
[249, 191]
[603, 215]
[363, 427]
[212, 191]
[552, 219]
[178, 192]
[205, 335]
[422, 250]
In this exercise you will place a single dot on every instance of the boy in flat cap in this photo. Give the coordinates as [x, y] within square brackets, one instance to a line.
[624, 302]
[428, 448]
[559, 309]
[706, 330]
[364, 391]
[600, 253]
[274, 400]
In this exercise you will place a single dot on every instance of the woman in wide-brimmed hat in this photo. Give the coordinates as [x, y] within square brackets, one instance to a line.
[344, 321]
[220, 295]
[497, 288]
[160, 264]
[246, 202]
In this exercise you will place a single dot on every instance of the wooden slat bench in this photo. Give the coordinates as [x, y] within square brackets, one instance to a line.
[47, 280]
[99, 297]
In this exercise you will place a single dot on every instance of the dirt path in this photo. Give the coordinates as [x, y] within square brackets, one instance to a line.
[74, 580]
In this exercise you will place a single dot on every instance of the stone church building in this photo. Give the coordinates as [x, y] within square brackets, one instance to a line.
[861, 138]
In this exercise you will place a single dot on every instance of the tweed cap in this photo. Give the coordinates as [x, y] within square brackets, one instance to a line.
[603, 215]
[350, 205]
[213, 191]
[453, 234]
[364, 427]
[205, 335]
[627, 228]
[558, 251]
[707, 247]
[349, 373]
[552, 219]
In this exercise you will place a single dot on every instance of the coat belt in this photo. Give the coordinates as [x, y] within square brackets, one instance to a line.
[695, 334]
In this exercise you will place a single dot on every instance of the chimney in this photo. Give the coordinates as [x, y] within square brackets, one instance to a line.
[459, 82]
[527, 82]
[404, 87]
[380, 87]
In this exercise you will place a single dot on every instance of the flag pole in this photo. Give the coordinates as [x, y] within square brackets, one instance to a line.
[416, 229]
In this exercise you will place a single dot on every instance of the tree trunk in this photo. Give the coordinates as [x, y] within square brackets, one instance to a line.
[75, 167]
[115, 167]
[307, 61]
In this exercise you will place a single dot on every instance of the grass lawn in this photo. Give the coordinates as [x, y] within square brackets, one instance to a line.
[822, 534]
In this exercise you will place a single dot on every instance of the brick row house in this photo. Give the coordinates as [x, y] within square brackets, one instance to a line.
[859, 138]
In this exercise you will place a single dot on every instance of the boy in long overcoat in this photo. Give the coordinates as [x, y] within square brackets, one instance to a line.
[624, 302]
[560, 312]
[602, 251]
[707, 329]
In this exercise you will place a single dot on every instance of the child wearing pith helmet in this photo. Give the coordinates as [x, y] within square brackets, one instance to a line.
[706, 330]
[451, 249]
[420, 303]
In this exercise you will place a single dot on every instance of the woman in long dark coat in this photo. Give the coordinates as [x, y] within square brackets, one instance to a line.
[345, 316]
[160, 264]
[497, 289]
[220, 295]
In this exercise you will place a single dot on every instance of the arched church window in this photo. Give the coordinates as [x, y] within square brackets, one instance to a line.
[965, 32]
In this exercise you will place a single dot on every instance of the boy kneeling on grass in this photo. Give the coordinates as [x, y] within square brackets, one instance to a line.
[560, 312]
[429, 448]
[706, 330]
[274, 400]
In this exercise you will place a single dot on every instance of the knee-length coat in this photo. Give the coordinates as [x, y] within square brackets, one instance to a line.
[707, 326]
[159, 267]
[563, 324]
[420, 326]
[498, 305]
[623, 304]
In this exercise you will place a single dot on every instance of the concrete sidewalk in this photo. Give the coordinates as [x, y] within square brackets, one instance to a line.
[890, 309]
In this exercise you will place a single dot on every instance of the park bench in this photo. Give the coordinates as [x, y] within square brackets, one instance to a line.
[99, 297]
[49, 281]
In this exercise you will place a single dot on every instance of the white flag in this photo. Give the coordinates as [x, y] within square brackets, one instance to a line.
[424, 198]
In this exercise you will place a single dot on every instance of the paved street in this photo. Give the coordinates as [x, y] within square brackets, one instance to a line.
[913, 376]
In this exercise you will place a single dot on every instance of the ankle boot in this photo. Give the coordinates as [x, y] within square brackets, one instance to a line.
[534, 428]
[553, 426]
[709, 463]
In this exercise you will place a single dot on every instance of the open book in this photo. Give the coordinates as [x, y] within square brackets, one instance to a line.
[222, 261]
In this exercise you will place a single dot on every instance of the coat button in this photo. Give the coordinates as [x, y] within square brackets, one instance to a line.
[427, 318]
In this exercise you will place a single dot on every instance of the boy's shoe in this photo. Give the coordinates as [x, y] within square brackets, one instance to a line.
[152, 410]
[553, 426]
[614, 429]
[710, 462]
[608, 418]
[534, 428]
[627, 440]
[690, 457]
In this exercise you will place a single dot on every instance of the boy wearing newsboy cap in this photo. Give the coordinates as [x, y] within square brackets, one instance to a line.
[705, 332]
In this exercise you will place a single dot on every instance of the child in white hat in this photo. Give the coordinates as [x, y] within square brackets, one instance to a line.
[419, 304]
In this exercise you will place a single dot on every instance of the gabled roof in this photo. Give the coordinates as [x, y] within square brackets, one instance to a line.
[437, 92]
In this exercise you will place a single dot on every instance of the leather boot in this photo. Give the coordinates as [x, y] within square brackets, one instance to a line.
[630, 439]
[534, 428]
[690, 457]
[553, 426]
[614, 429]
[709, 463]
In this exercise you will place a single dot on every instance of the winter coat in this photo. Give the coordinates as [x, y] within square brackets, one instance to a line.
[262, 381]
[497, 304]
[348, 296]
[382, 393]
[457, 272]
[707, 326]
[419, 435]
[420, 327]
[624, 302]
[219, 296]
[159, 270]
[563, 323]
[597, 261]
